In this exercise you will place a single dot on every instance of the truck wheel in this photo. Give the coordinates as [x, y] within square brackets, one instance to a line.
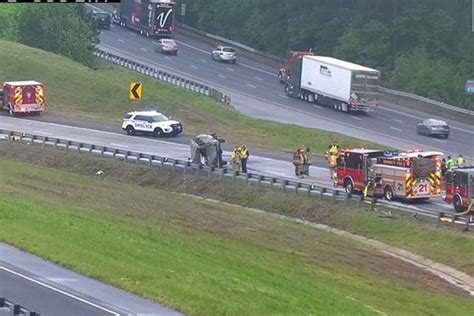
[457, 202]
[10, 110]
[348, 186]
[388, 193]
[158, 132]
[130, 130]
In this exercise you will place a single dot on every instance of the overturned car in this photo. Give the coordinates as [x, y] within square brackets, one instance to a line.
[206, 149]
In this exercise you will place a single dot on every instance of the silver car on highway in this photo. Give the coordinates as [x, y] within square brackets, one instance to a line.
[433, 127]
[166, 46]
[224, 53]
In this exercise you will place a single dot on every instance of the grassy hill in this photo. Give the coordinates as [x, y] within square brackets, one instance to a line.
[205, 258]
[102, 95]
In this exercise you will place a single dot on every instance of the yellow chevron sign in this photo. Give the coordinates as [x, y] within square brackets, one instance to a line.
[135, 91]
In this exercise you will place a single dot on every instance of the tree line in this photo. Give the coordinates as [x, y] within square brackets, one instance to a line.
[423, 47]
[68, 30]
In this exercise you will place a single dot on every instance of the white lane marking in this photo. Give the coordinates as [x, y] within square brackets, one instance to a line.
[202, 60]
[168, 57]
[397, 120]
[420, 118]
[133, 34]
[244, 65]
[251, 86]
[281, 105]
[396, 129]
[194, 66]
[143, 49]
[439, 140]
[95, 8]
[155, 42]
[259, 79]
[318, 106]
[60, 291]
[121, 40]
[356, 118]
[222, 76]
[118, 145]
[42, 133]
[229, 69]
[284, 96]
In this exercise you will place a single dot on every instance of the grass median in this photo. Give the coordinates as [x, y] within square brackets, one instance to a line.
[134, 229]
[102, 95]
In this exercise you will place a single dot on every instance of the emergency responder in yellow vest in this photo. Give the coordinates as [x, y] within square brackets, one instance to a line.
[307, 160]
[244, 156]
[460, 161]
[235, 157]
[298, 162]
[332, 154]
[449, 163]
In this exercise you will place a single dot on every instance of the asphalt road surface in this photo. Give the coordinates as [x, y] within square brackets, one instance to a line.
[162, 147]
[255, 91]
[52, 290]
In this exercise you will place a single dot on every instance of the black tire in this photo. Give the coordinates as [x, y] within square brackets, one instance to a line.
[158, 132]
[388, 193]
[130, 130]
[348, 186]
[10, 111]
[458, 204]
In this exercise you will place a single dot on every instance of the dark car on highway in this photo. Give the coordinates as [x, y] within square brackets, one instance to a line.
[103, 20]
[433, 127]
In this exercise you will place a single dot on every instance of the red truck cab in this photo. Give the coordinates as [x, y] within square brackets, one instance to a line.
[287, 70]
[460, 188]
[23, 97]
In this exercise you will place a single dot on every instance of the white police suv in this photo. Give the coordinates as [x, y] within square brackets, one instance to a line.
[150, 122]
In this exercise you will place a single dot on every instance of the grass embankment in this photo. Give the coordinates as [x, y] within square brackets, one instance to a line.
[134, 230]
[102, 95]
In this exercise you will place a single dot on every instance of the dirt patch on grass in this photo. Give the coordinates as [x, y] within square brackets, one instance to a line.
[242, 194]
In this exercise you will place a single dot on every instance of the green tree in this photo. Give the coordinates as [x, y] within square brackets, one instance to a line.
[65, 29]
[9, 20]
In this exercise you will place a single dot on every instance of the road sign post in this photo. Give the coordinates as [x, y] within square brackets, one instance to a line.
[183, 12]
[135, 92]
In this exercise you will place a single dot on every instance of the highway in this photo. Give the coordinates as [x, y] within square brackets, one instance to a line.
[172, 149]
[52, 290]
[255, 91]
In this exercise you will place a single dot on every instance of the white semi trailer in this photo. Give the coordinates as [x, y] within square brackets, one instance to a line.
[339, 84]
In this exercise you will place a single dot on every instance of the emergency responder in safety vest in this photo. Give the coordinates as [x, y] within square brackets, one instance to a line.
[298, 162]
[244, 156]
[332, 154]
[449, 163]
[307, 161]
[460, 161]
[235, 158]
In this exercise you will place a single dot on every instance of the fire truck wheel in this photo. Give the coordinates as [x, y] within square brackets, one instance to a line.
[130, 130]
[348, 186]
[388, 193]
[457, 202]
[11, 112]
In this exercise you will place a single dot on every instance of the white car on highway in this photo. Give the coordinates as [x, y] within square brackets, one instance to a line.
[150, 122]
[224, 53]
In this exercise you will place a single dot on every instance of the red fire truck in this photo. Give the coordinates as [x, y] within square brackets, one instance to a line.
[460, 189]
[410, 175]
[23, 97]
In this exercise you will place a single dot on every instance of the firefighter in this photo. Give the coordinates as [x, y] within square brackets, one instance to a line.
[307, 160]
[449, 163]
[443, 167]
[460, 161]
[235, 158]
[244, 156]
[331, 156]
[298, 161]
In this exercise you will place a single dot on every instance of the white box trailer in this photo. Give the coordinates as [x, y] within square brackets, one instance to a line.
[333, 82]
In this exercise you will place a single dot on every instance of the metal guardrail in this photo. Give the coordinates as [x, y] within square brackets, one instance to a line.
[163, 76]
[186, 167]
[9, 308]
[389, 92]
